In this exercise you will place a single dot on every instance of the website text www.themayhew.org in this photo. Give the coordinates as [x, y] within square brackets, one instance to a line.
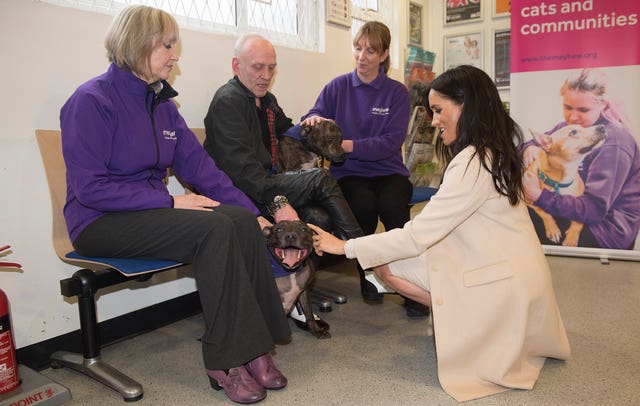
[563, 57]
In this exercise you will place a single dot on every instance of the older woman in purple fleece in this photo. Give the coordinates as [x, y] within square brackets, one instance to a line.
[610, 204]
[120, 133]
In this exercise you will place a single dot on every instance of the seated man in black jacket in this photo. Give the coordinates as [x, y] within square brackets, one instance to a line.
[243, 124]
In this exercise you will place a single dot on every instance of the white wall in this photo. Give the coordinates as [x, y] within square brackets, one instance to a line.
[437, 31]
[49, 51]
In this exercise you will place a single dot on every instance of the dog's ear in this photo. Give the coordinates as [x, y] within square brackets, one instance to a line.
[305, 130]
[314, 232]
[267, 231]
[542, 139]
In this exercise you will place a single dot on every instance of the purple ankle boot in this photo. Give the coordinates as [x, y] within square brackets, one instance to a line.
[238, 385]
[265, 373]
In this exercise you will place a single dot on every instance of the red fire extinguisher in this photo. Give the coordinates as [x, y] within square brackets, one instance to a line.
[8, 365]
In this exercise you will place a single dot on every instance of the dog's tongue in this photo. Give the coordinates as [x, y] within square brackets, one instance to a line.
[290, 256]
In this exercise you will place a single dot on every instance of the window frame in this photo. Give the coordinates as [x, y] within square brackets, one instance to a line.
[308, 24]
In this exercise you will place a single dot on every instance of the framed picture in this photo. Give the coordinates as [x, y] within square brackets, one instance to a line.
[462, 11]
[501, 8]
[415, 24]
[339, 12]
[502, 58]
[463, 49]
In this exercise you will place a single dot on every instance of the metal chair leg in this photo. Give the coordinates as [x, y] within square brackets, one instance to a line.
[83, 284]
[99, 370]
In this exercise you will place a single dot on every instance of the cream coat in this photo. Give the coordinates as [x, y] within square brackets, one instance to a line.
[494, 310]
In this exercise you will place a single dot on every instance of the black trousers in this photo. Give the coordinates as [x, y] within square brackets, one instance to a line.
[384, 197]
[240, 302]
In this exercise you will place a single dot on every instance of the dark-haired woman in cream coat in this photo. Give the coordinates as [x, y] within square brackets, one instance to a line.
[472, 253]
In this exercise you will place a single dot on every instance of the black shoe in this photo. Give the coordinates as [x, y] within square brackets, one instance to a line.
[302, 325]
[369, 291]
[415, 309]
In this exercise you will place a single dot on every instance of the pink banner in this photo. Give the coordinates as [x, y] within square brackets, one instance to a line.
[575, 91]
[552, 34]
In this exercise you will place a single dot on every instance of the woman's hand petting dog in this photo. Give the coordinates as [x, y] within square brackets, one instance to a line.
[313, 120]
[326, 242]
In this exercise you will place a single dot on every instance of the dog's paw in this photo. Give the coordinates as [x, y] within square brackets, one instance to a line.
[570, 241]
[553, 233]
[319, 328]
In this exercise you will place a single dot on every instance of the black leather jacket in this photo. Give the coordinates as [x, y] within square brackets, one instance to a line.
[234, 139]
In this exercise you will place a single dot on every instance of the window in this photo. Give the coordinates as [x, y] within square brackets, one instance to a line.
[377, 10]
[293, 23]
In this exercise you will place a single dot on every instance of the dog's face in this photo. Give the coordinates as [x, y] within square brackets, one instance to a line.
[572, 142]
[325, 139]
[290, 242]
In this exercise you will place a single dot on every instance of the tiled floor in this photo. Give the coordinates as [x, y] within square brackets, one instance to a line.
[377, 356]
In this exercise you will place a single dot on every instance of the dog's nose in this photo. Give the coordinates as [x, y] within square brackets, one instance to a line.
[600, 128]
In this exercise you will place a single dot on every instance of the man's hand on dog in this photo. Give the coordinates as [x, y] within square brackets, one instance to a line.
[326, 242]
[285, 213]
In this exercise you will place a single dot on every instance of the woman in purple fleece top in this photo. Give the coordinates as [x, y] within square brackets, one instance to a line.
[120, 133]
[610, 204]
[372, 111]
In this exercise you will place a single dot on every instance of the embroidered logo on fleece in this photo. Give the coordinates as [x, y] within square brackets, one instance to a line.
[380, 111]
[169, 135]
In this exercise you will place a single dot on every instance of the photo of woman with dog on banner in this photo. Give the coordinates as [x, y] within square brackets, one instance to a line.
[575, 96]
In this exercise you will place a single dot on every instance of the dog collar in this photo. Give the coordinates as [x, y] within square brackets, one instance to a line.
[550, 182]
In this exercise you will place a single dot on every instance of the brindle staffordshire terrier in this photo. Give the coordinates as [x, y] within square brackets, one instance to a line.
[322, 140]
[291, 243]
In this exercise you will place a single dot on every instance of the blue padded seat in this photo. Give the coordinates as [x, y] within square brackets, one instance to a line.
[128, 266]
[422, 194]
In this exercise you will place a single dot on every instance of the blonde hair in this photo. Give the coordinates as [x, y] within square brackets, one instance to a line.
[379, 38]
[134, 33]
[594, 81]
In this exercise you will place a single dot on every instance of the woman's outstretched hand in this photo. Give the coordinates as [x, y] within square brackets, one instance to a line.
[326, 242]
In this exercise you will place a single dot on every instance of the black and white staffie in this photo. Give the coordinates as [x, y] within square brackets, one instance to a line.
[291, 243]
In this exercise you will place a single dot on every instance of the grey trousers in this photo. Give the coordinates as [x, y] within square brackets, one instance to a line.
[240, 302]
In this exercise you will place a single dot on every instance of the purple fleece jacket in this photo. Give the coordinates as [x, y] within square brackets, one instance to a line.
[119, 138]
[610, 204]
[375, 116]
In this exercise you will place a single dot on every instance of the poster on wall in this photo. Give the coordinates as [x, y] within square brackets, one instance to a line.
[576, 97]
[463, 49]
[415, 24]
[501, 58]
[462, 11]
[501, 8]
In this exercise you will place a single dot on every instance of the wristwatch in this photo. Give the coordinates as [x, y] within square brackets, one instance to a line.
[278, 202]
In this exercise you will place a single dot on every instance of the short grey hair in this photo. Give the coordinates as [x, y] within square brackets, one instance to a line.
[243, 39]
